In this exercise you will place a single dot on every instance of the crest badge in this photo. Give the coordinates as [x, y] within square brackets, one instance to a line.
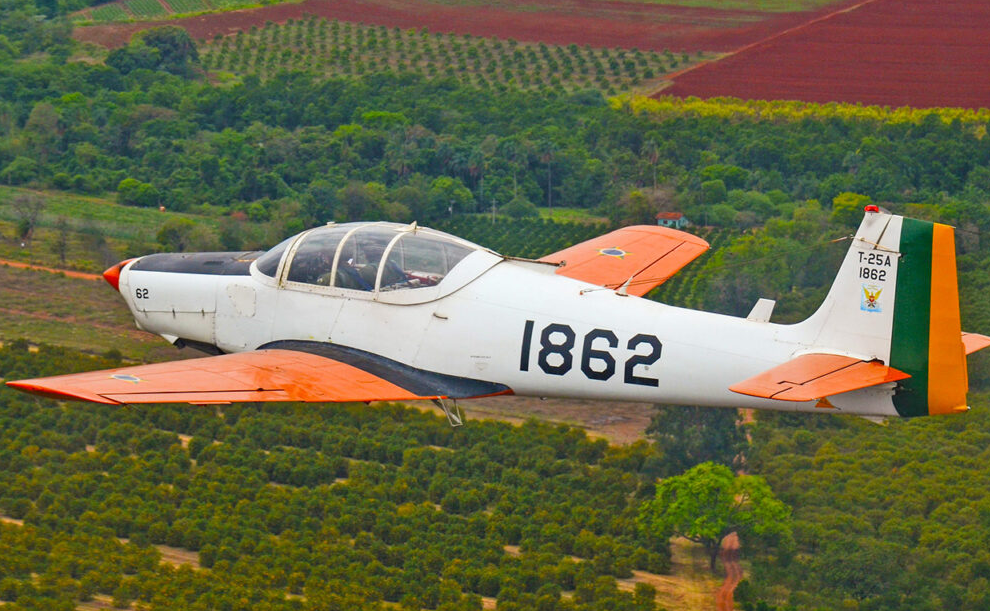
[870, 299]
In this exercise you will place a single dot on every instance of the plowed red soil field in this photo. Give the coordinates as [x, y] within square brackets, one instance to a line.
[920, 53]
[599, 23]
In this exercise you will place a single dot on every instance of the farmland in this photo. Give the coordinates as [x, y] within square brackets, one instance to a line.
[379, 507]
[681, 26]
[333, 48]
[310, 507]
[887, 52]
[95, 319]
[146, 9]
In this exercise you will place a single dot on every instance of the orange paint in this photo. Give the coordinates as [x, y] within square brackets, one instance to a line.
[947, 382]
[112, 274]
[974, 342]
[644, 255]
[815, 376]
[265, 375]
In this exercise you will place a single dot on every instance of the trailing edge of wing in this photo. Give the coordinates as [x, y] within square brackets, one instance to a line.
[645, 256]
[815, 376]
[973, 342]
[276, 374]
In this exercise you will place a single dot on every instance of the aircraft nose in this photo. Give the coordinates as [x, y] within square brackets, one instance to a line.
[112, 274]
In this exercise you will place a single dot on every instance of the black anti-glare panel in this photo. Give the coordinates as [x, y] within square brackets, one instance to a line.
[212, 263]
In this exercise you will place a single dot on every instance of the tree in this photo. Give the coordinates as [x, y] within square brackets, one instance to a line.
[20, 170]
[60, 246]
[688, 436]
[847, 208]
[448, 195]
[548, 151]
[713, 192]
[27, 209]
[634, 209]
[176, 49]
[520, 207]
[176, 234]
[708, 502]
[133, 57]
[133, 192]
[42, 129]
[167, 48]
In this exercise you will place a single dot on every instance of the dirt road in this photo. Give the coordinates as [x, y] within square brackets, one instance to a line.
[733, 573]
[69, 273]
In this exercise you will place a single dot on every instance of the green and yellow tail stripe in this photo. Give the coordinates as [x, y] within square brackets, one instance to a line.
[927, 333]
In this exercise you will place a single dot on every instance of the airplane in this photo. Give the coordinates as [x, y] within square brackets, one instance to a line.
[382, 311]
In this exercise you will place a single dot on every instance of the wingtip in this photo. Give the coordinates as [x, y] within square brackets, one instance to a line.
[35, 388]
[974, 342]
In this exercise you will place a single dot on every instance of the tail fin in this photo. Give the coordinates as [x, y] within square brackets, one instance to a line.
[896, 299]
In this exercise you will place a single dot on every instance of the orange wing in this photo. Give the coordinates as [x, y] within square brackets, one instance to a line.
[644, 256]
[816, 376]
[297, 374]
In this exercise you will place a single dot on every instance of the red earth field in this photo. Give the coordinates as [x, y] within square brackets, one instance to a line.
[921, 53]
[599, 23]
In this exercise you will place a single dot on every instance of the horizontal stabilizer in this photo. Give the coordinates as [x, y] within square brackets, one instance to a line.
[815, 376]
[637, 258]
[264, 375]
[974, 342]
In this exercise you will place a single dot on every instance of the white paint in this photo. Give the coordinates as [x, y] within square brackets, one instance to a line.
[472, 325]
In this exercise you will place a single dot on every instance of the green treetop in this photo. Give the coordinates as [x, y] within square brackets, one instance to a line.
[708, 502]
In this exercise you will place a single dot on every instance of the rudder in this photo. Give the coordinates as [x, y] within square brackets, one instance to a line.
[927, 333]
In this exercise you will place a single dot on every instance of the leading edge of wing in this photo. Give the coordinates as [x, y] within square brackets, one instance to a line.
[280, 371]
[815, 376]
[644, 256]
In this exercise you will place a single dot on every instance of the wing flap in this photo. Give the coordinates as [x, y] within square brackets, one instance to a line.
[645, 256]
[263, 375]
[974, 342]
[815, 376]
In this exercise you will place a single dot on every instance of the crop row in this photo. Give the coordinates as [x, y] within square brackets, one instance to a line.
[343, 48]
[145, 9]
[530, 238]
[109, 12]
[679, 289]
[188, 6]
[127, 10]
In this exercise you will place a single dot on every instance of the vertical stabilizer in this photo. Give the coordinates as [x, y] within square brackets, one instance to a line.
[896, 300]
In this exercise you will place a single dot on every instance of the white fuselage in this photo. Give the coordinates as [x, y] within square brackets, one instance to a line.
[505, 321]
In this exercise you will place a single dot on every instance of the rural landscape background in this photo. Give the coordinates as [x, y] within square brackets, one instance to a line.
[138, 126]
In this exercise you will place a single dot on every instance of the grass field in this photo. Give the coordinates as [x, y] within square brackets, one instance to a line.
[99, 231]
[571, 215]
[83, 314]
[113, 219]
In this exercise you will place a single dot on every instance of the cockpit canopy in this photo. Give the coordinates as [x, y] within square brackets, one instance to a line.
[374, 257]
